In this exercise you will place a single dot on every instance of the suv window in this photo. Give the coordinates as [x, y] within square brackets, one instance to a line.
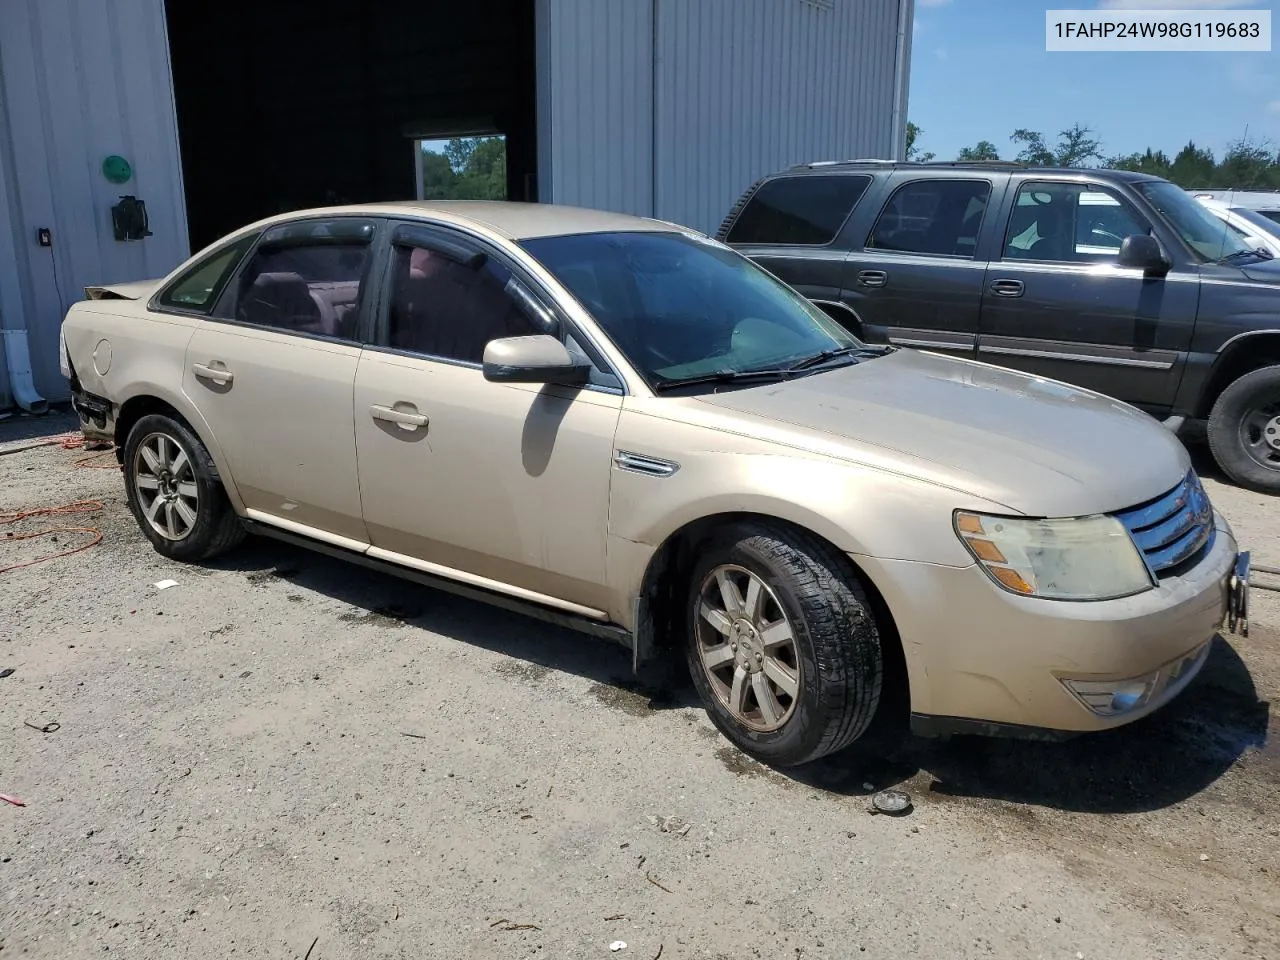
[302, 287]
[442, 308]
[197, 290]
[939, 217]
[806, 211]
[1069, 223]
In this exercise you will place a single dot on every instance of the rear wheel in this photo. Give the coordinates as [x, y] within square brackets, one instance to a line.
[174, 491]
[1244, 430]
[783, 647]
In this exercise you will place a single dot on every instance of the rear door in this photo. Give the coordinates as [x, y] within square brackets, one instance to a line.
[1056, 303]
[273, 369]
[915, 275]
[791, 226]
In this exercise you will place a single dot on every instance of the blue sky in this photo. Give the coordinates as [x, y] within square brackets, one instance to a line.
[979, 70]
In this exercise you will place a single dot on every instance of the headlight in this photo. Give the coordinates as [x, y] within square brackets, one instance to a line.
[1089, 558]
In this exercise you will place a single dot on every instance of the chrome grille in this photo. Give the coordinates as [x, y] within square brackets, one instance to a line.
[1173, 529]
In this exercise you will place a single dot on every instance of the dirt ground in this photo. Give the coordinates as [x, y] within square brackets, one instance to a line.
[284, 756]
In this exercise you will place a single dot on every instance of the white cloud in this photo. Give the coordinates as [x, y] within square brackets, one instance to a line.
[940, 53]
[1175, 4]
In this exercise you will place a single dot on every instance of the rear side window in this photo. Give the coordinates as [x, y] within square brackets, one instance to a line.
[197, 289]
[939, 217]
[807, 211]
[302, 287]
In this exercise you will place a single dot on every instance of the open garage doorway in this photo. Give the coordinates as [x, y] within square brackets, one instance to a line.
[301, 103]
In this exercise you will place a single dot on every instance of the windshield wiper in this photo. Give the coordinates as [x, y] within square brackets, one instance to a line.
[1260, 254]
[726, 376]
[820, 358]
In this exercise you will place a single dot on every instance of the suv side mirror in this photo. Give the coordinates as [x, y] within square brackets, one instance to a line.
[534, 359]
[1143, 252]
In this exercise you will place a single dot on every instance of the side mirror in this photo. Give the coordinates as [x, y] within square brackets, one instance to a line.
[1143, 252]
[534, 359]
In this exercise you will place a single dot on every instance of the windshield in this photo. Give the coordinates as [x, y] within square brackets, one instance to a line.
[1270, 228]
[1204, 233]
[680, 307]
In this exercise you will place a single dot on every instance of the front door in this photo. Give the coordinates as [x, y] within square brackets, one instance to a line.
[272, 373]
[1056, 304]
[917, 281]
[503, 485]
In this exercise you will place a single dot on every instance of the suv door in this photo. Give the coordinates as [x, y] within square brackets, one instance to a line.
[272, 371]
[790, 225]
[915, 278]
[1057, 304]
[504, 485]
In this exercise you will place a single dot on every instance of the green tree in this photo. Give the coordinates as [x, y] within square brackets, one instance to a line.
[1154, 162]
[982, 150]
[1248, 165]
[470, 168]
[438, 178]
[1076, 147]
[913, 152]
[1192, 167]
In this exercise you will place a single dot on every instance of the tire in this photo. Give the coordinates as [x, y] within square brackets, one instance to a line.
[1244, 430]
[205, 524]
[834, 662]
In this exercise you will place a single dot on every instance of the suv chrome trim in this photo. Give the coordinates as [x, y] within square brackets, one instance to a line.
[647, 466]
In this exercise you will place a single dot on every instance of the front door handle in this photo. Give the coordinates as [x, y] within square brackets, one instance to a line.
[1007, 288]
[409, 419]
[215, 371]
[873, 278]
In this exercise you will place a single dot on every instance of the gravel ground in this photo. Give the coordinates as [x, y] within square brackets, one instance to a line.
[285, 755]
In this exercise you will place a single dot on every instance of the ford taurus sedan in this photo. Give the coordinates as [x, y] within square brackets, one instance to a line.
[622, 426]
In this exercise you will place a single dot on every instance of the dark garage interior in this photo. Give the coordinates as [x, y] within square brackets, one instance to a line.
[300, 103]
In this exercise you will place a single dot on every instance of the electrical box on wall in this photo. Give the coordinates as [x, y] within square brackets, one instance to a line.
[129, 219]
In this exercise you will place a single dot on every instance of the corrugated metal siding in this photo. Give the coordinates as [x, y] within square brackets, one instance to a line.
[679, 125]
[746, 87]
[81, 80]
[595, 103]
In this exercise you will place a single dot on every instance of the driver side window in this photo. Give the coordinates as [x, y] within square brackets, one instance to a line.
[445, 309]
[1069, 223]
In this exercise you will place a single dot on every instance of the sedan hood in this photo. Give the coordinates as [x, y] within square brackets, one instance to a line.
[1037, 446]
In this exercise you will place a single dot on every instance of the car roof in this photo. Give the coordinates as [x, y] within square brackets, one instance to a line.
[963, 166]
[512, 220]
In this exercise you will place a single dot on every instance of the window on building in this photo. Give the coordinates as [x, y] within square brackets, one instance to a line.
[462, 168]
[805, 210]
[442, 308]
[197, 289]
[939, 217]
[1069, 223]
[304, 287]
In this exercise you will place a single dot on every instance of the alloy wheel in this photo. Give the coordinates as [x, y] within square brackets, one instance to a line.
[1260, 434]
[165, 483]
[747, 648]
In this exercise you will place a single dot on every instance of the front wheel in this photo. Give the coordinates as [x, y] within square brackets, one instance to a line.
[174, 491]
[783, 647]
[1244, 430]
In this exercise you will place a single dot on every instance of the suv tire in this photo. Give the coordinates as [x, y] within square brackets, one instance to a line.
[1244, 430]
[174, 491]
[782, 644]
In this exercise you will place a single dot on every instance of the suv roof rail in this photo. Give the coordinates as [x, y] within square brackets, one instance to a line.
[837, 163]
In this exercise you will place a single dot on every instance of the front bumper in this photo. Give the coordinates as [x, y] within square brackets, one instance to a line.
[982, 659]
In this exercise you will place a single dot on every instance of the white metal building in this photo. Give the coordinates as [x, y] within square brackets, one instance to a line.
[227, 112]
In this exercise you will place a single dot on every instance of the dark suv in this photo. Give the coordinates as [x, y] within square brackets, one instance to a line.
[1118, 282]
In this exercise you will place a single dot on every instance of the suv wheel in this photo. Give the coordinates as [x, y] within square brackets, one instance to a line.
[783, 647]
[174, 491]
[1244, 430]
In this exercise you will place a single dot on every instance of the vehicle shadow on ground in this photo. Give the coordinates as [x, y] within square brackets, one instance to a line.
[1153, 763]
[21, 426]
[1147, 765]
[388, 600]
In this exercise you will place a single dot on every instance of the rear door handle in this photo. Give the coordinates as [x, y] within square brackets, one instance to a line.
[873, 278]
[1007, 288]
[410, 419]
[215, 371]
